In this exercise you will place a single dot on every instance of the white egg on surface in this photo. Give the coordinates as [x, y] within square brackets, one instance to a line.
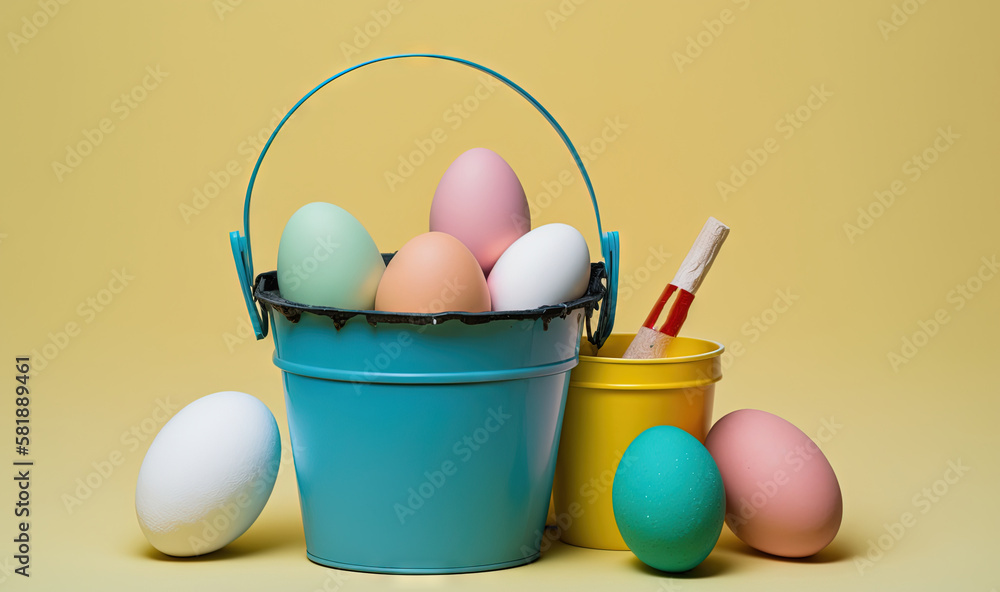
[549, 265]
[208, 474]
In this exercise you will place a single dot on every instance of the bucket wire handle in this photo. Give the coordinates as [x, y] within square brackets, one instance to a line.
[243, 256]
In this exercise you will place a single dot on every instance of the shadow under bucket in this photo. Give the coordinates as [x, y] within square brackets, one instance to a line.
[611, 401]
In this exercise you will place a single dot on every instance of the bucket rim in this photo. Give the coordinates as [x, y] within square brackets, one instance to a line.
[267, 293]
[717, 351]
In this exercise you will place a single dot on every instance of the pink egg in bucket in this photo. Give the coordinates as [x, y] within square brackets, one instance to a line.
[481, 202]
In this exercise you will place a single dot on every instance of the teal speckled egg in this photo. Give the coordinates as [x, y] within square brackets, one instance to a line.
[668, 499]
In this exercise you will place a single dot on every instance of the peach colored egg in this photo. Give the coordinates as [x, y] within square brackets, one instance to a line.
[480, 201]
[782, 496]
[433, 272]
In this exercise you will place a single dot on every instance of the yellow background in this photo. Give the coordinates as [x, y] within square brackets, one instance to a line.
[178, 330]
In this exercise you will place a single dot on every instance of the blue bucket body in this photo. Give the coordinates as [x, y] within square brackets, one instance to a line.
[425, 449]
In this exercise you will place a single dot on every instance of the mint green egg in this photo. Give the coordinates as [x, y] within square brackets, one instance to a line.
[668, 499]
[327, 258]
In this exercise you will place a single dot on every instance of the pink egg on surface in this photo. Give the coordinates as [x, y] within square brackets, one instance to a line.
[782, 496]
[480, 201]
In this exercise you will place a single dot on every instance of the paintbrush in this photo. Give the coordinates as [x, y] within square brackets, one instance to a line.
[651, 343]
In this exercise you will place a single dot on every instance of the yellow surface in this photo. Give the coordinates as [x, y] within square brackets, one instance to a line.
[611, 401]
[812, 298]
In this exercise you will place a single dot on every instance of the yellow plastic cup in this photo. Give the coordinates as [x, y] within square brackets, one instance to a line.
[610, 402]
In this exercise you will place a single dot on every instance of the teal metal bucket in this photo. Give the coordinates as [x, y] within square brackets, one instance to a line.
[425, 443]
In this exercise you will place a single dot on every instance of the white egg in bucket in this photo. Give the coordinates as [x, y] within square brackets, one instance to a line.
[547, 266]
[208, 474]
